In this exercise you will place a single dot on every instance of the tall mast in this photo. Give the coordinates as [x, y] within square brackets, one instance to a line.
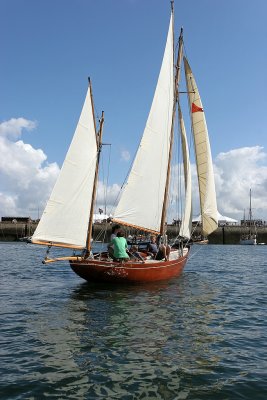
[250, 212]
[99, 148]
[176, 84]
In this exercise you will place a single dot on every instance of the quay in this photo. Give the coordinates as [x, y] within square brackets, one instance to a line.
[228, 234]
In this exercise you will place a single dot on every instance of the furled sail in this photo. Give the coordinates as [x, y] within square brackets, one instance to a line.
[141, 201]
[186, 226]
[65, 218]
[207, 193]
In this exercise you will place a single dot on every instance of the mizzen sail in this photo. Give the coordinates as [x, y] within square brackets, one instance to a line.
[65, 218]
[207, 193]
[141, 201]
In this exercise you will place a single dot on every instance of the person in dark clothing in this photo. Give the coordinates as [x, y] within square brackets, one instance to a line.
[158, 252]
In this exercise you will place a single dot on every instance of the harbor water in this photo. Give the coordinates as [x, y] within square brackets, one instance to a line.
[200, 336]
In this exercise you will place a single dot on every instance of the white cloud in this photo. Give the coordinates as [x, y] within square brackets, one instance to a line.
[236, 172]
[107, 196]
[13, 127]
[125, 155]
[26, 177]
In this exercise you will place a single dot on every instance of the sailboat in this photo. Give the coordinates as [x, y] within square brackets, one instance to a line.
[68, 217]
[249, 237]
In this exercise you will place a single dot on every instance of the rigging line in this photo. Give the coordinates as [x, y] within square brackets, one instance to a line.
[191, 235]
[107, 180]
[172, 191]
[193, 255]
[115, 202]
[172, 198]
[179, 139]
[179, 180]
[182, 203]
[184, 49]
[105, 184]
[179, 169]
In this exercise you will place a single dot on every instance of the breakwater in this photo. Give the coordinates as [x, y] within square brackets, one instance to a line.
[223, 235]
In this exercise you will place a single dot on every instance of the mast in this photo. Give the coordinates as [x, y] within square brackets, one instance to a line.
[99, 148]
[176, 84]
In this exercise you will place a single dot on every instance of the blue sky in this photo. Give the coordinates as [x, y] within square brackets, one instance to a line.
[49, 48]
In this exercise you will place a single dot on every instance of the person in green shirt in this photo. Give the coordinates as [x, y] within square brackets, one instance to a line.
[120, 246]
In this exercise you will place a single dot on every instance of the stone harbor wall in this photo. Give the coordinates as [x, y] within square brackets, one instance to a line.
[223, 235]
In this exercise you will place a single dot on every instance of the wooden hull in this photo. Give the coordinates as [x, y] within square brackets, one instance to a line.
[128, 272]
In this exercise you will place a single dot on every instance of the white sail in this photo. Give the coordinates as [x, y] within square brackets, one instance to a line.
[65, 218]
[142, 198]
[186, 226]
[207, 193]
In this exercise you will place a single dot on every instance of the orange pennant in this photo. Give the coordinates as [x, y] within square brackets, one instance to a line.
[195, 108]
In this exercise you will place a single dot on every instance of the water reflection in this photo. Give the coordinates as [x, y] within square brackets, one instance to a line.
[149, 340]
[202, 336]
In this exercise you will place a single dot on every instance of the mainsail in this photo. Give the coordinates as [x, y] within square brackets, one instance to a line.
[141, 201]
[206, 183]
[65, 218]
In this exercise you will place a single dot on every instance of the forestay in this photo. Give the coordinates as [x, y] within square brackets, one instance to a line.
[207, 193]
[141, 201]
[186, 226]
[65, 218]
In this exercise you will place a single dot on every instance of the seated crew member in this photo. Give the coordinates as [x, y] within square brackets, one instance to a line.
[120, 246]
[114, 231]
[135, 253]
[158, 252]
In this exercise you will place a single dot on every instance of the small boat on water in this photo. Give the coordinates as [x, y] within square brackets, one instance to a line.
[27, 239]
[203, 241]
[249, 234]
[144, 199]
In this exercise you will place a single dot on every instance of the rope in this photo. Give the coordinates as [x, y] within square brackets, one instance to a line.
[177, 237]
[193, 255]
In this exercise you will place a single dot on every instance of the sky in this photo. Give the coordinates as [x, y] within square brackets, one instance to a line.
[49, 48]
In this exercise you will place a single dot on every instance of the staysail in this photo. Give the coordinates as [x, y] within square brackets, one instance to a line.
[206, 183]
[186, 226]
[65, 219]
[141, 201]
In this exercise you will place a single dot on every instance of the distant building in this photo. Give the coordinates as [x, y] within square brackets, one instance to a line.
[176, 222]
[253, 222]
[16, 219]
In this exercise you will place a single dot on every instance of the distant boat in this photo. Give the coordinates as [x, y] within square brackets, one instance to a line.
[27, 239]
[144, 199]
[138, 240]
[249, 236]
[201, 241]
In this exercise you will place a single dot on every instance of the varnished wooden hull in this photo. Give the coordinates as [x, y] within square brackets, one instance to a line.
[128, 272]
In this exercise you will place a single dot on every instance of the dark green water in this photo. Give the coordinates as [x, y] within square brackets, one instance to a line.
[202, 336]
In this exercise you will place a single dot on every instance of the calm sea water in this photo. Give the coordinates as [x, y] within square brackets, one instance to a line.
[201, 336]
